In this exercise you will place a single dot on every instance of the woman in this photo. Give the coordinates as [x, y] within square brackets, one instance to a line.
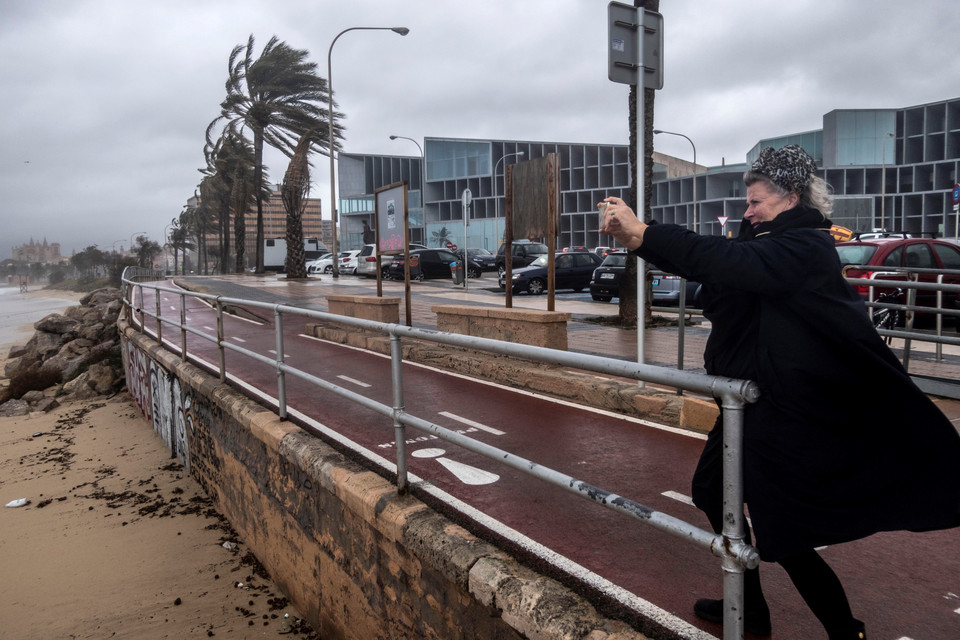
[841, 444]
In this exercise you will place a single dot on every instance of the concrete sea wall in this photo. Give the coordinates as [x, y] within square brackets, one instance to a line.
[358, 560]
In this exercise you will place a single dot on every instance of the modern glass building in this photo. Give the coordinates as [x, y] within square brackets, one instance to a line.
[892, 168]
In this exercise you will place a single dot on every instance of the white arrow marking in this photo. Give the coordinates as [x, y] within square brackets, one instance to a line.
[463, 472]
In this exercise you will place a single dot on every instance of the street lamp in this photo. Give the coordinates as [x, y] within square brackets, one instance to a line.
[883, 180]
[423, 168]
[333, 187]
[496, 197]
[694, 171]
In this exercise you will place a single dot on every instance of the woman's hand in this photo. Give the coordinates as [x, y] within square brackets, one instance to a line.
[621, 222]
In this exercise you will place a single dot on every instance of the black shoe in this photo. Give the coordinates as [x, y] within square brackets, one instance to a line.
[858, 632]
[756, 620]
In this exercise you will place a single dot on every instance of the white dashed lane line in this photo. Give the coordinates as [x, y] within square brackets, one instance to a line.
[356, 382]
[471, 423]
[237, 339]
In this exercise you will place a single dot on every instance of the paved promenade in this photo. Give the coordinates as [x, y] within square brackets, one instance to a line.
[586, 332]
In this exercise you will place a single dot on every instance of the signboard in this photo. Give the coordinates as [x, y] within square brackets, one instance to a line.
[956, 193]
[391, 215]
[451, 246]
[624, 58]
[723, 220]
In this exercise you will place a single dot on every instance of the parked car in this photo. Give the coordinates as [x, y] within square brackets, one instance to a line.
[524, 252]
[348, 261]
[666, 290]
[367, 260]
[574, 249]
[571, 271]
[863, 258]
[424, 264]
[479, 261]
[603, 252]
[324, 264]
[605, 283]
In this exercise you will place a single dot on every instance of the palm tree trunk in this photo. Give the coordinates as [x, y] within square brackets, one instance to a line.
[628, 283]
[257, 179]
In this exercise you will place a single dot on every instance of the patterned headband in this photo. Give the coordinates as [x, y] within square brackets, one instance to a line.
[789, 167]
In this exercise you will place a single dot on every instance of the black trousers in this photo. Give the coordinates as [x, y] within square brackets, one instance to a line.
[813, 578]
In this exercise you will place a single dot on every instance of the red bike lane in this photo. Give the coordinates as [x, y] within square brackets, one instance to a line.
[902, 584]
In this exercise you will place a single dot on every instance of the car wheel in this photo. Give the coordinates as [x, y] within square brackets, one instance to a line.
[385, 273]
[535, 287]
[474, 272]
[602, 298]
[328, 268]
[500, 272]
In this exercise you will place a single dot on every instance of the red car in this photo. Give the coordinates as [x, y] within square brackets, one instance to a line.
[904, 253]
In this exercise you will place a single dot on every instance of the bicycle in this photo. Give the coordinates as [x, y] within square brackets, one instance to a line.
[886, 317]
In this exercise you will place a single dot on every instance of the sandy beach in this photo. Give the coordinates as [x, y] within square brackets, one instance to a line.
[115, 541]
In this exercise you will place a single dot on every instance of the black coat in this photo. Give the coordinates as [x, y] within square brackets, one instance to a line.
[841, 444]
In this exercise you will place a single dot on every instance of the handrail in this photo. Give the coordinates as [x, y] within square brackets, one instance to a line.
[730, 545]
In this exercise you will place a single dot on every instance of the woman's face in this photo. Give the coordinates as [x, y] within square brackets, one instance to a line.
[764, 203]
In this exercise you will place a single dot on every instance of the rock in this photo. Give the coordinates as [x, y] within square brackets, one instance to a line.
[45, 344]
[93, 332]
[100, 296]
[56, 323]
[14, 408]
[101, 378]
[46, 405]
[17, 351]
[32, 396]
[24, 362]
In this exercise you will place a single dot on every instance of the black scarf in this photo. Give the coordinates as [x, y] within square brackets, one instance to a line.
[797, 218]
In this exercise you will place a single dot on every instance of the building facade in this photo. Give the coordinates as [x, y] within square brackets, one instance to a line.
[43, 252]
[274, 224]
[889, 168]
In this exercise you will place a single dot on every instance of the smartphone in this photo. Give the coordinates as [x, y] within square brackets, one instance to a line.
[603, 212]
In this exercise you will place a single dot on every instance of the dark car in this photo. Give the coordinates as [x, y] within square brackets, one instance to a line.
[605, 284]
[424, 264]
[666, 290]
[571, 271]
[864, 258]
[524, 252]
[479, 261]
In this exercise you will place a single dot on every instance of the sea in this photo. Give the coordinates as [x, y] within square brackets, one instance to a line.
[18, 312]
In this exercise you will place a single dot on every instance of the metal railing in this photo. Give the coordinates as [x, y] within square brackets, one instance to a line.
[729, 545]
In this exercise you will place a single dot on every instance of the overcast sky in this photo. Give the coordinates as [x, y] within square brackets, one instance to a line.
[104, 103]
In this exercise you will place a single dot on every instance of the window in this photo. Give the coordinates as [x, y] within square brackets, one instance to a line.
[949, 256]
[919, 256]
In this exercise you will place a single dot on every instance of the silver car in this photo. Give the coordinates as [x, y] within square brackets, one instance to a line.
[367, 260]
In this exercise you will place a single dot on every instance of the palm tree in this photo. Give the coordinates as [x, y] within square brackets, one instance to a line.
[440, 238]
[179, 239]
[294, 191]
[278, 96]
[230, 161]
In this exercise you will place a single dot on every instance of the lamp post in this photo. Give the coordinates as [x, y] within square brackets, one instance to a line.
[883, 180]
[166, 248]
[333, 187]
[423, 169]
[655, 131]
[496, 197]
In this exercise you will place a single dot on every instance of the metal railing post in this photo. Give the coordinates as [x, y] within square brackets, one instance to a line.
[908, 327]
[681, 325]
[733, 519]
[281, 379]
[223, 357]
[159, 321]
[399, 430]
[183, 327]
[939, 318]
[143, 327]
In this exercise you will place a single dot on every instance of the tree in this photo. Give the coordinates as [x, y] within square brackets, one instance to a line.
[628, 282]
[91, 263]
[180, 239]
[278, 97]
[441, 238]
[146, 250]
[294, 191]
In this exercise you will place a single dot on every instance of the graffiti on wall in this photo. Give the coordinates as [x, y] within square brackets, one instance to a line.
[163, 400]
[136, 364]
